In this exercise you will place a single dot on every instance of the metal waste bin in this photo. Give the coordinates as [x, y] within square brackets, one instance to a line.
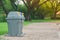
[15, 23]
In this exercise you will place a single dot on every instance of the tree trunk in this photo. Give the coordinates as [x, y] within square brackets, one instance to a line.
[28, 15]
[54, 15]
[55, 11]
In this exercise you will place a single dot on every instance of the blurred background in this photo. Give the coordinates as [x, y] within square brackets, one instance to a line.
[34, 11]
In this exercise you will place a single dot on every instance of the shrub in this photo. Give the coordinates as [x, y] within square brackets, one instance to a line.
[2, 19]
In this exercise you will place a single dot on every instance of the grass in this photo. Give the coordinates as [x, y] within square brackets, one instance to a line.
[4, 27]
[46, 20]
[27, 22]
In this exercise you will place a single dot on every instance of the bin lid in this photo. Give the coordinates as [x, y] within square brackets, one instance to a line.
[15, 15]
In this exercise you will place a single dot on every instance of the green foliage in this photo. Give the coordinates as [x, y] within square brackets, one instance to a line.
[8, 5]
[2, 17]
[22, 8]
[37, 11]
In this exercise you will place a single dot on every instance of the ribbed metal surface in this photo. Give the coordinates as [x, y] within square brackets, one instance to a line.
[15, 23]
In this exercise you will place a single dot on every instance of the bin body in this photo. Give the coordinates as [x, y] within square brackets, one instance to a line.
[15, 24]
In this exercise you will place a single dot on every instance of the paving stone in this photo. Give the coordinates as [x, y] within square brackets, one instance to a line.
[38, 31]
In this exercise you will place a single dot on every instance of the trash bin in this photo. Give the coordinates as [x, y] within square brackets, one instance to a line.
[15, 23]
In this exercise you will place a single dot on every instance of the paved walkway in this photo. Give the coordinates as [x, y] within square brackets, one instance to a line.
[38, 31]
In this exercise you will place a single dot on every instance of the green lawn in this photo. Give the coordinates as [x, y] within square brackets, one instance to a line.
[4, 27]
[46, 20]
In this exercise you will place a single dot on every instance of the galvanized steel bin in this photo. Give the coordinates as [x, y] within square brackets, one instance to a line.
[15, 23]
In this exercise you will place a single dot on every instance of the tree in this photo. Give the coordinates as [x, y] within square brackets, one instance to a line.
[14, 5]
[2, 5]
[55, 7]
[32, 6]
